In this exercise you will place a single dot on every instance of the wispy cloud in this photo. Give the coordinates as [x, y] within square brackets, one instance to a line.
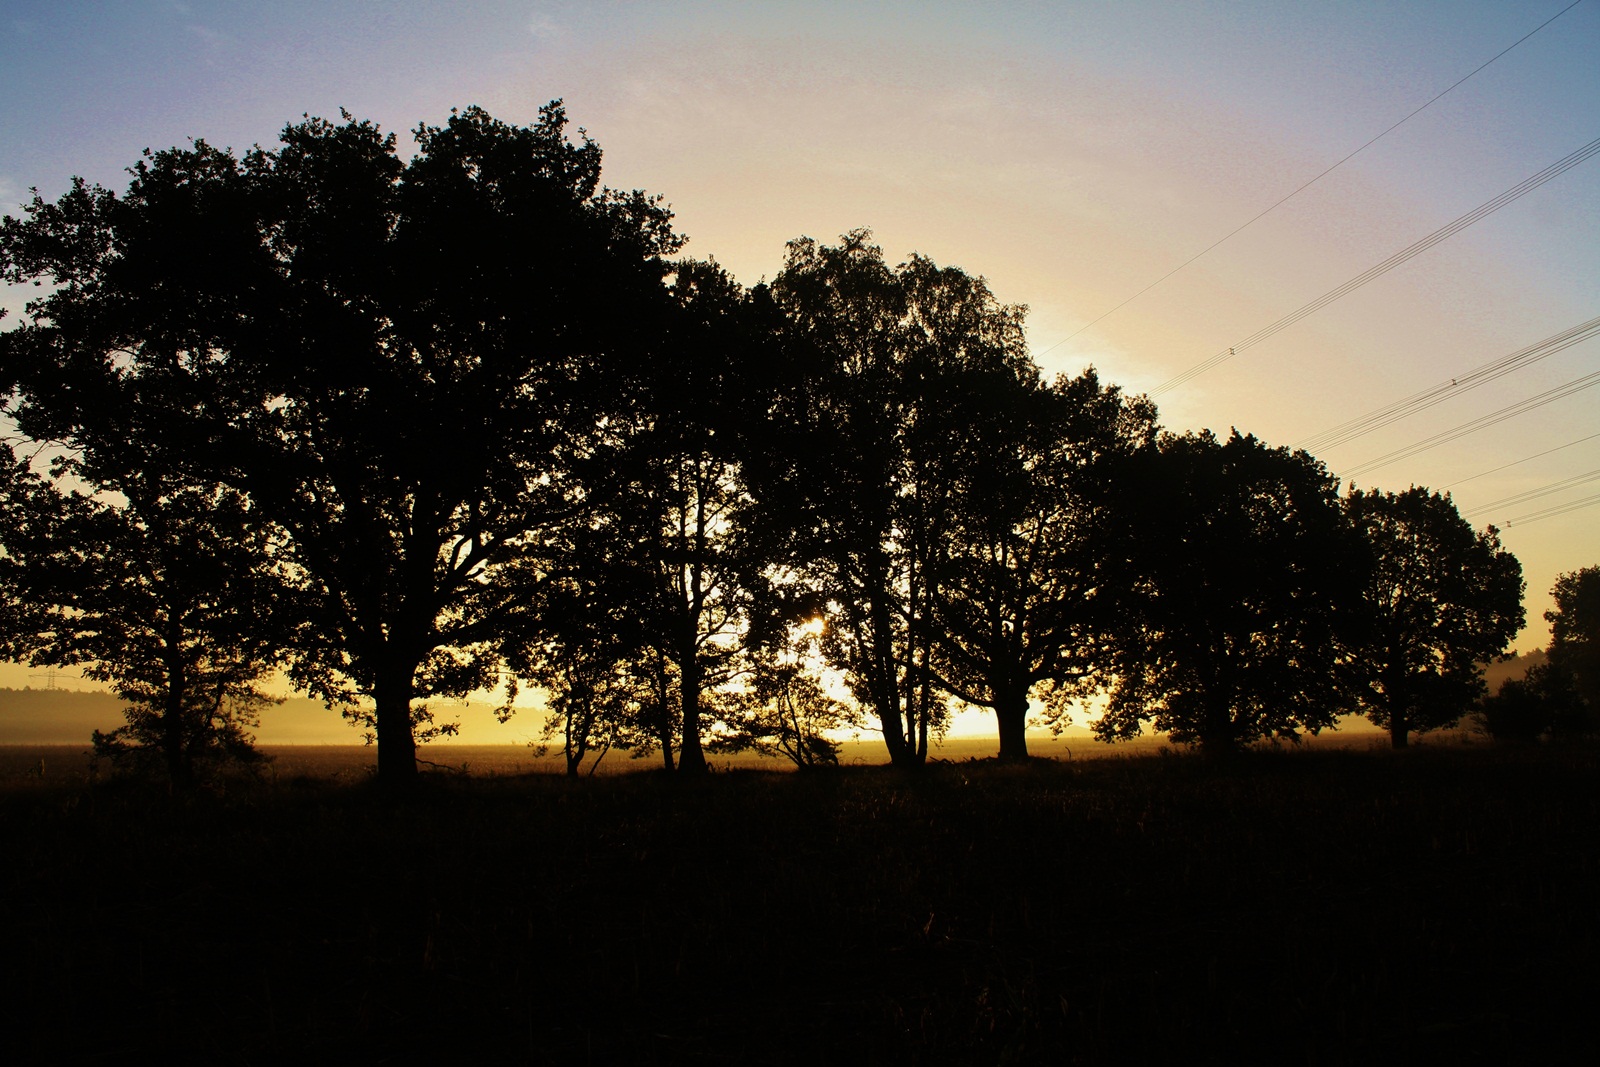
[215, 45]
[544, 28]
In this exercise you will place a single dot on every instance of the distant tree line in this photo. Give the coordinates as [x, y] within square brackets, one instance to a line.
[405, 428]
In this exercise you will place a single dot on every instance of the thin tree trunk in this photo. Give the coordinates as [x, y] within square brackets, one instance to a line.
[886, 693]
[573, 748]
[924, 717]
[663, 717]
[581, 714]
[930, 693]
[179, 770]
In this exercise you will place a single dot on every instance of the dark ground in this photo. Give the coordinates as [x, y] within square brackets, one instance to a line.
[1318, 907]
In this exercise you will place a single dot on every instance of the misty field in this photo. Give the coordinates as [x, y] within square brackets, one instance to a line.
[1321, 906]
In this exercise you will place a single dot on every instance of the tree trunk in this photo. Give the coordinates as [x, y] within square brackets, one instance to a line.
[397, 746]
[579, 724]
[1395, 695]
[1011, 712]
[894, 737]
[691, 758]
[900, 730]
[663, 716]
[885, 691]
[573, 752]
[1399, 728]
[924, 715]
[179, 770]
[1219, 737]
[172, 735]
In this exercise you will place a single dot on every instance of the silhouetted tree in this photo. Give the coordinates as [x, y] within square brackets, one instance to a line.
[1030, 587]
[169, 595]
[1437, 600]
[783, 708]
[407, 365]
[879, 360]
[596, 705]
[699, 538]
[1575, 632]
[700, 600]
[1544, 703]
[1245, 564]
[1556, 699]
[579, 637]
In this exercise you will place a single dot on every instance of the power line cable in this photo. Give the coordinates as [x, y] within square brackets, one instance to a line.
[1257, 217]
[1552, 512]
[1517, 462]
[1381, 417]
[1534, 494]
[1443, 233]
[1522, 407]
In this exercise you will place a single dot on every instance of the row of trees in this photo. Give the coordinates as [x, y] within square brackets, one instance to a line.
[404, 428]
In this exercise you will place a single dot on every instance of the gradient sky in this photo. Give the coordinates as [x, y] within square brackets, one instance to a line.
[1072, 153]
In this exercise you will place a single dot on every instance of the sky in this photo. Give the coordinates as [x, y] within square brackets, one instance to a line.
[1071, 153]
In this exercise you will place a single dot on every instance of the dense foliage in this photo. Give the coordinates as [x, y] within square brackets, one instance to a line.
[1036, 584]
[1575, 631]
[891, 374]
[409, 367]
[1242, 565]
[1556, 699]
[172, 596]
[1439, 600]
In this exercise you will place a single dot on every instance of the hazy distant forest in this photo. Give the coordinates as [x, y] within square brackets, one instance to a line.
[406, 427]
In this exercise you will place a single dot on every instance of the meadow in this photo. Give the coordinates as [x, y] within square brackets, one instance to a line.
[1325, 905]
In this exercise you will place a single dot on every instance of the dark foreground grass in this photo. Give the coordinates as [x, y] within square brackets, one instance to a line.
[1319, 908]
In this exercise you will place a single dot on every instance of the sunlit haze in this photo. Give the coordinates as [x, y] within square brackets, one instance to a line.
[1071, 153]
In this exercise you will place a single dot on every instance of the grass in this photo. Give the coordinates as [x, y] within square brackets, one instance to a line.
[1322, 907]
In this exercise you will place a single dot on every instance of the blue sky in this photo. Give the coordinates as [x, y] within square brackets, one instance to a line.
[1072, 153]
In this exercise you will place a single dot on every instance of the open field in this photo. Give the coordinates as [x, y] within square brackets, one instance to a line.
[73, 763]
[63, 764]
[1318, 906]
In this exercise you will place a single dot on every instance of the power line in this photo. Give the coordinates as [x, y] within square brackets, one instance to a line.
[1552, 512]
[1517, 462]
[1381, 417]
[1257, 217]
[1443, 233]
[1522, 407]
[1534, 494]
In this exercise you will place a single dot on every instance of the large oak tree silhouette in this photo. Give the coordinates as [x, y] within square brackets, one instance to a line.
[405, 364]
